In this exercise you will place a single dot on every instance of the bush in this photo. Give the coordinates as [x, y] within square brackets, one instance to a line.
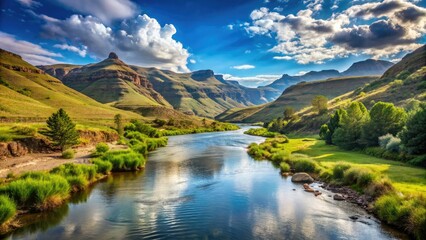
[306, 165]
[77, 183]
[102, 147]
[384, 140]
[393, 145]
[263, 132]
[68, 154]
[7, 209]
[71, 169]
[360, 177]
[124, 160]
[326, 174]
[284, 167]
[103, 167]
[140, 148]
[419, 161]
[379, 188]
[25, 130]
[388, 208]
[154, 143]
[281, 156]
[339, 170]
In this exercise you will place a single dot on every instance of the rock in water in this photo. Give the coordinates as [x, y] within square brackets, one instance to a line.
[302, 178]
[339, 197]
[112, 55]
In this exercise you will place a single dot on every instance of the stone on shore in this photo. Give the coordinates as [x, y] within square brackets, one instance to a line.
[302, 178]
[338, 197]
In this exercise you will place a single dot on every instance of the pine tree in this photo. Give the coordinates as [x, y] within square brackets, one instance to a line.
[61, 130]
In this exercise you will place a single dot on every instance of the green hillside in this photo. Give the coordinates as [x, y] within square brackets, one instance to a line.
[404, 84]
[297, 96]
[27, 92]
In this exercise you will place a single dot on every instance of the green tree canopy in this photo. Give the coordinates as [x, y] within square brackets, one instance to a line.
[61, 130]
[319, 104]
[414, 136]
[327, 130]
[384, 118]
[118, 120]
[352, 120]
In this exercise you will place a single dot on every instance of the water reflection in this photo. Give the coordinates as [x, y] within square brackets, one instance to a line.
[204, 186]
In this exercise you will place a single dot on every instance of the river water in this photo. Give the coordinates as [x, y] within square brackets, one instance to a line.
[203, 186]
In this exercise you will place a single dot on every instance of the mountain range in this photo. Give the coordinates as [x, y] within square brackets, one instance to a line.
[369, 67]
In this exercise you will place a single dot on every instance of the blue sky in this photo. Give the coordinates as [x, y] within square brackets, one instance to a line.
[253, 41]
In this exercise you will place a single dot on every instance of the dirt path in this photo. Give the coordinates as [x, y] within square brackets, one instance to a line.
[46, 161]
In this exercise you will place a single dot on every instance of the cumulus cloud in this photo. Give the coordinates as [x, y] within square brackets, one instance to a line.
[82, 52]
[105, 10]
[193, 61]
[30, 52]
[253, 81]
[243, 67]
[139, 41]
[387, 28]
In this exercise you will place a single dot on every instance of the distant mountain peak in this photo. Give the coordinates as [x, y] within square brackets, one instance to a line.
[202, 74]
[112, 55]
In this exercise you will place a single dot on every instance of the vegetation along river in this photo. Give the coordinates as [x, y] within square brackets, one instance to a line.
[203, 186]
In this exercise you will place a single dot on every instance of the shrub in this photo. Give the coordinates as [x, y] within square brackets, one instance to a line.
[77, 183]
[417, 222]
[154, 143]
[141, 148]
[339, 170]
[261, 132]
[71, 169]
[384, 140]
[281, 156]
[419, 161]
[379, 188]
[388, 208]
[284, 167]
[102, 147]
[25, 130]
[326, 174]
[124, 160]
[306, 165]
[103, 167]
[68, 154]
[393, 145]
[7, 209]
[358, 176]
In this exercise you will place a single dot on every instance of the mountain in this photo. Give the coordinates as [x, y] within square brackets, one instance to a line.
[368, 67]
[404, 84]
[26, 92]
[132, 87]
[297, 96]
[113, 82]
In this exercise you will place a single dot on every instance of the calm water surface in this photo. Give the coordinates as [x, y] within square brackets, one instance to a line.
[203, 186]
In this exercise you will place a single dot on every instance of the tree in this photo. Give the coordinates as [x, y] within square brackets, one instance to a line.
[385, 118]
[118, 120]
[327, 130]
[352, 121]
[414, 136]
[61, 130]
[289, 113]
[319, 104]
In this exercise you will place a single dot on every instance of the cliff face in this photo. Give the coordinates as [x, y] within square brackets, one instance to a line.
[112, 81]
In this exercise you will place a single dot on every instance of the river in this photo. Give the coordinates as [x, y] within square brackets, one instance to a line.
[203, 186]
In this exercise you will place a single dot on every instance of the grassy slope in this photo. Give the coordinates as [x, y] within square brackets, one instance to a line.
[389, 88]
[47, 94]
[404, 177]
[299, 96]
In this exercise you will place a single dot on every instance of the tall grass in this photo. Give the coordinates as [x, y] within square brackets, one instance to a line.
[7, 209]
[124, 160]
[79, 176]
[40, 191]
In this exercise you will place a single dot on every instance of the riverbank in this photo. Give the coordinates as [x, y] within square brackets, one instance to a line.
[396, 191]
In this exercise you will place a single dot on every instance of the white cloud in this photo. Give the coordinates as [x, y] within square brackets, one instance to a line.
[82, 52]
[192, 61]
[29, 3]
[394, 26]
[301, 73]
[106, 10]
[139, 41]
[230, 27]
[243, 67]
[282, 58]
[253, 81]
[30, 52]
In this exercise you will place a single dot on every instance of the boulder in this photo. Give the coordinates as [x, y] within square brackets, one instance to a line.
[338, 197]
[302, 178]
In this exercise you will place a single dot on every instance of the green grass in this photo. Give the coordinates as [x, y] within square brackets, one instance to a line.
[263, 132]
[404, 177]
[7, 209]
[68, 154]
